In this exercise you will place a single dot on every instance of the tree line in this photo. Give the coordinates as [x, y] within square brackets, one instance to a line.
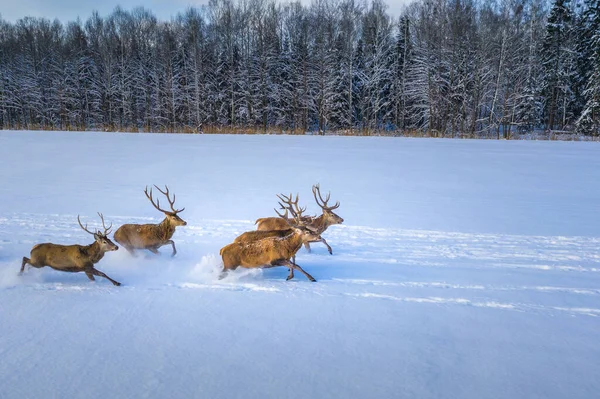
[449, 68]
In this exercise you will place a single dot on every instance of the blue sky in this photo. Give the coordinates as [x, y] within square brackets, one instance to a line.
[68, 10]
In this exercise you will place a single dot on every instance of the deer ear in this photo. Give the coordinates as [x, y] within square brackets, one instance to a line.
[96, 236]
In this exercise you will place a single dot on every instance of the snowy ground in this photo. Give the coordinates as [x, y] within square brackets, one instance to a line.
[464, 269]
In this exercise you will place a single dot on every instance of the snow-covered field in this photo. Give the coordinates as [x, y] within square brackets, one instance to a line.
[464, 269]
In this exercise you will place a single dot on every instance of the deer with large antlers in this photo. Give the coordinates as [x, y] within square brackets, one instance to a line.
[151, 236]
[74, 258]
[283, 226]
[318, 223]
[273, 249]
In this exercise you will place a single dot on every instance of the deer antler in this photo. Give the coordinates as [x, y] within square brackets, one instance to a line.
[84, 228]
[293, 205]
[316, 189]
[166, 193]
[106, 229]
[285, 214]
[296, 213]
[149, 196]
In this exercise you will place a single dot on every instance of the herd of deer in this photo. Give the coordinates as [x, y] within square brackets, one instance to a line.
[274, 243]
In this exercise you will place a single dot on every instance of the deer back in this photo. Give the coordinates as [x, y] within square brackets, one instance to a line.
[271, 223]
[144, 235]
[250, 236]
[277, 223]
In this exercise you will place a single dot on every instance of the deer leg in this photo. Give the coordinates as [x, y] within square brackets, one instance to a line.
[292, 266]
[173, 245]
[154, 250]
[327, 245]
[90, 275]
[227, 266]
[25, 261]
[324, 242]
[28, 261]
[301, 270]
[225, 272]
[291, 275]
[98, 273]
[131, 251]
[283, 262]
[307, 246]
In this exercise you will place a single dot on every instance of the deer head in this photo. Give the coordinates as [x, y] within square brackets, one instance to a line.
[328, 213]
[101, 237]
[296, 222]
[172, 216]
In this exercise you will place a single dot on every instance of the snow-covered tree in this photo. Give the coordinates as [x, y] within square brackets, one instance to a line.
[589, 120]
[558, 63]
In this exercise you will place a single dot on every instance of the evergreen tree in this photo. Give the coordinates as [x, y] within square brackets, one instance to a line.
[558, 63]
[589, 121]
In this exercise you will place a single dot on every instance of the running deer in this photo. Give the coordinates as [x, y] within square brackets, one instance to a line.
[282, 230]
[74, 258]
[275, 249]
[151, 236]
[318, 223]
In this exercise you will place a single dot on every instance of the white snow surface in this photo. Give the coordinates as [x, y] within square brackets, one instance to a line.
[464, 269]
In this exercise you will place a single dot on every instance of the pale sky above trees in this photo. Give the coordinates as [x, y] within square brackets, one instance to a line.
[69, 10]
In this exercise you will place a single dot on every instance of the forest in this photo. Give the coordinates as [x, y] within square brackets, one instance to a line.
[443, 68]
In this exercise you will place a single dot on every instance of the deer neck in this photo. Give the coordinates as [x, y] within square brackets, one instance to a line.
[294, 242]
[167, 229]
[94, 252]
[321, 222]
